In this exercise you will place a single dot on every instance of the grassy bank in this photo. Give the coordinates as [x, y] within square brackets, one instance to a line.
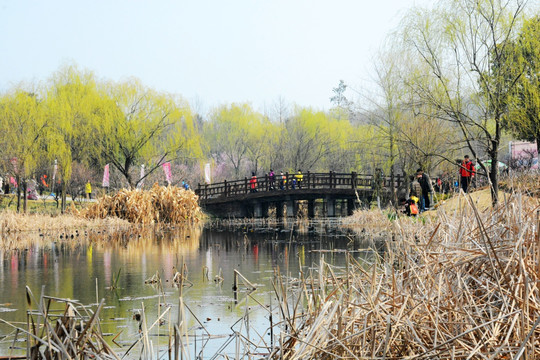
[45, 206]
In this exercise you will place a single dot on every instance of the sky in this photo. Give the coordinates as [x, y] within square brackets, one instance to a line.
[212, 52]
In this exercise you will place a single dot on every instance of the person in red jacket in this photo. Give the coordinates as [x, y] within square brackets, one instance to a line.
[466, 172]
[253, 182]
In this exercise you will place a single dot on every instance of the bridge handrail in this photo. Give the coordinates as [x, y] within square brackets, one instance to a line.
[329, 180]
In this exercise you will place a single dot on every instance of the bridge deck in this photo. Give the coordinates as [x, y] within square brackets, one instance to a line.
[313, 185]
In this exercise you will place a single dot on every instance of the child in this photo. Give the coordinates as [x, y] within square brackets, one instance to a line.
[411, 207]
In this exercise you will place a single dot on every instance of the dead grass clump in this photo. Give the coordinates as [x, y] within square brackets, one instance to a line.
[524, 181]
[160, 204]
[12, 222]
[368, 221]
[465, 287]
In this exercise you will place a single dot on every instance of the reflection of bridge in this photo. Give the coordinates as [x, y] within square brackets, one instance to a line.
[337, 192]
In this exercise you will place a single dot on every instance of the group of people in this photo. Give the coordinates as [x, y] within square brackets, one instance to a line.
[421, 189]
[280, 179]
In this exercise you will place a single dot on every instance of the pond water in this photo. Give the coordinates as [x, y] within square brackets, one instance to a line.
[86, 269]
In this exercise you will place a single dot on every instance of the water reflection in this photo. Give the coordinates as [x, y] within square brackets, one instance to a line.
[85, 270]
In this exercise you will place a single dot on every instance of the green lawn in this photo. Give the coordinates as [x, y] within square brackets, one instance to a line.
[41, 206]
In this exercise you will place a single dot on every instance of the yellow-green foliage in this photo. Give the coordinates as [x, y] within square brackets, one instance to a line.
[524, 106]
[148, 127]
[23, 129]
[75, 107]
[170, 205]
[238, 131]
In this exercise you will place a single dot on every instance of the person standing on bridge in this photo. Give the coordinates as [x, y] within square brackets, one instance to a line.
[271, 180]
[282, 181]
[299, 178]
[253, 183]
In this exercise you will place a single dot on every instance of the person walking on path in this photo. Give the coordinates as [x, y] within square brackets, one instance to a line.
[88, 190]
[427, 187]
[253, 182]
[466, 172]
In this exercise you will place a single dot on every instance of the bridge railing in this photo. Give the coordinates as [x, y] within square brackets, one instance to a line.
[330, 180]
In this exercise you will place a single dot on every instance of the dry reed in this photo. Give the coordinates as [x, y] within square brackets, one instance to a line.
[170, 205]
[465, 287]
[71, 333]
[12, 222]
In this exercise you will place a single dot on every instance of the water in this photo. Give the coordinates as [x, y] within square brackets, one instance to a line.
[86, 269]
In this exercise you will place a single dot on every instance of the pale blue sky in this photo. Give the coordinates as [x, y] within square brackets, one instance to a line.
[209, 51]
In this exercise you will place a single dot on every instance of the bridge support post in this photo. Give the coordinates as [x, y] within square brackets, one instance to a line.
[350, 206]
[279, 210]
[311, 209]
[264, 209]
[330, 207]
[257, 210]
[290, 208]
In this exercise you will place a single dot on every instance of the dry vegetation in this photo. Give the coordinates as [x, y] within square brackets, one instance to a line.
[11, 222]
[71, 333]
[20, 231]
[525, 182]
[109, 218]
[170, 205]
[465, 286]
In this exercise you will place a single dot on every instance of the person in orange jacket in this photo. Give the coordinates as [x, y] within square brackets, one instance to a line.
[466, 172]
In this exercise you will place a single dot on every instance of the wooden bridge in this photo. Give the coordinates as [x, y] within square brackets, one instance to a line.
[335, 193]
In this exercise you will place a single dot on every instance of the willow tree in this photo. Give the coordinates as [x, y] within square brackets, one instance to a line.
[76, 107]
[24, 126]
[345, 142]
[309, 139]
[454, 42]
[235, 133]
[145, 127]
[261, 139]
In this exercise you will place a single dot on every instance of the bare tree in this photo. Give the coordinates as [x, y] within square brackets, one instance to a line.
[454, 48]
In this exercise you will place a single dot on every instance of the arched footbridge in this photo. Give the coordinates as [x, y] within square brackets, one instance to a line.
[325, 194]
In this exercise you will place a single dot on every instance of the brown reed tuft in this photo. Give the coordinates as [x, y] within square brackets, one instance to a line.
[160, 204]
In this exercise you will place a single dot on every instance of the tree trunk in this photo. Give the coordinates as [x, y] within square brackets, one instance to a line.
[18, 180]
[392, 187]
[25, 198]
[127, 166]
[63, 209]
[493, 177]
[392, 170]
[129, 180]
[537, 144]
[406, 183]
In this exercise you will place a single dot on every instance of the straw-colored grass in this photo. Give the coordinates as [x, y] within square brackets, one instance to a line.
[463, 287]
[12, 222]
[527, 182]
[368, 220]
[170, 205]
